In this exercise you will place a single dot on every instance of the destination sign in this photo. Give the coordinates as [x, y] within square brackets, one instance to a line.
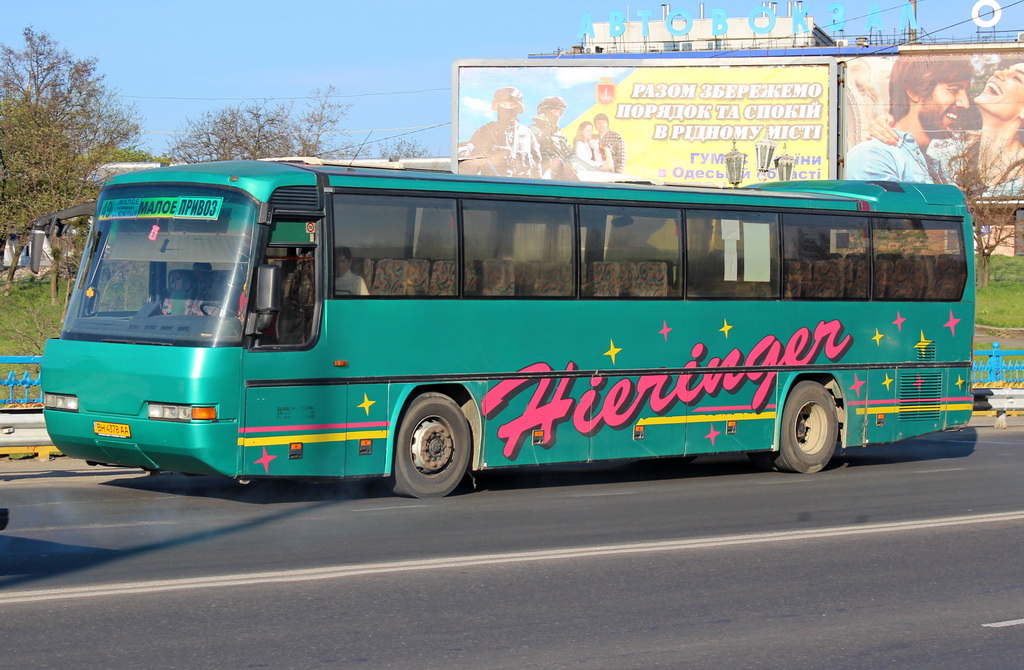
[181, 207]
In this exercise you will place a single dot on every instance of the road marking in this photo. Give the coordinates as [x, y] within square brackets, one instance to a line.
[1004, 624]
[1016, 444]
[922, 472]
[449, 562]
[388, 507]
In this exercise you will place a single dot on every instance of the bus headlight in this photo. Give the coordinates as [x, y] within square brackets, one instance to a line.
[61, 401]
[161, 411]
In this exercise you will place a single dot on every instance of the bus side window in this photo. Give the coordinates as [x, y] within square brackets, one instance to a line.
[518, 249]
[732, 254]
[630, 252]
[396, 244]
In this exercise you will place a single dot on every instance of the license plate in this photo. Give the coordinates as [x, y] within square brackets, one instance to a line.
[111, 429]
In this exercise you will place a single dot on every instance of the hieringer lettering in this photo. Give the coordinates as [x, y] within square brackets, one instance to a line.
[554, 404]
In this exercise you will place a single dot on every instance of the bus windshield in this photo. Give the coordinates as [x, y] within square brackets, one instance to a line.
[165, 266]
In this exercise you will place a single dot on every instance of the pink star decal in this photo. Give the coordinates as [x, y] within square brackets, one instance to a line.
[665, 330]
[951, 324]
[857, 383]
[265, 461]
[712, 434]
[899, 322]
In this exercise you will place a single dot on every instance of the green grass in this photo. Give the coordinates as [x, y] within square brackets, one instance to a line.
[28, 318]
[1001, 303]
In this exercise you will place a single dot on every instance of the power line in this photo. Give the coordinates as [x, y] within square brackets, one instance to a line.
[410, 129]
[293, 99]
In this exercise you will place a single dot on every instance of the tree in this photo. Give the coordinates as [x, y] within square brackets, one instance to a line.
[401, 148]
[993, 191]
[263, 130]
[58, 124]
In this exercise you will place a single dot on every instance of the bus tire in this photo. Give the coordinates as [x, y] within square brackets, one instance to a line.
[809, 429]
[432, 449]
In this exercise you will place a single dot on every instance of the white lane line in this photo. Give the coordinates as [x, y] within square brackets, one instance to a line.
[981, 442]
[449, 562]
[388, 507]
[922, 472]
[1004, 624]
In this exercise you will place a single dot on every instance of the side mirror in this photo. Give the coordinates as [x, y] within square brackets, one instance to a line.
[35, 250]
[268, 295]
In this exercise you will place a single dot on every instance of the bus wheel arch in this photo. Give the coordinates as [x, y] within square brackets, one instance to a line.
[434, 443]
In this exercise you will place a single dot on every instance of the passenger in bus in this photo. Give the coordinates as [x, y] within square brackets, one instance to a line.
[180, 290]
[347, 282]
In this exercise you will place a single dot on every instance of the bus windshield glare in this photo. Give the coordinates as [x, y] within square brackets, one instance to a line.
[165, 265]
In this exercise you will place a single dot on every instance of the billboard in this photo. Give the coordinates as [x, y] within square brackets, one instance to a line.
[943, 118]
[654, 121]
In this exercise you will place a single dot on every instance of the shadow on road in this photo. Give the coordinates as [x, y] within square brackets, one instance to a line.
[930, 448]
[268, 492]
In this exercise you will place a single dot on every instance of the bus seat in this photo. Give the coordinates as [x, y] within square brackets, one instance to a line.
[796, 278]
[883, 277]
[828, 278]
[418, 275]
[442, 278]
[651, 280]
[949, 278]
[526, 275]
[499, 277]
[472, 277]
[365, 270]
[855, 276]
[555, 279]
[390, 277]
[627, 275]
[606, 278]
[907, 278]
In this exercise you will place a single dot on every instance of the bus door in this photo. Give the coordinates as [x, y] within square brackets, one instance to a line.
[294, 412]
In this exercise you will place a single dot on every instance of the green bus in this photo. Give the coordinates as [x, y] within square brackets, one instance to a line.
[290, 319]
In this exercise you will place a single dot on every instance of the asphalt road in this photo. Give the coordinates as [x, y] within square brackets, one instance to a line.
[903, 556]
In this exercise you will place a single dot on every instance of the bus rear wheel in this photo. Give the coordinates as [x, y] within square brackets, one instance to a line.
[432, 449]
[809, 429]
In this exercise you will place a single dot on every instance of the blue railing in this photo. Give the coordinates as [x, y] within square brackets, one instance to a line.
[28, 387]
[998, 367]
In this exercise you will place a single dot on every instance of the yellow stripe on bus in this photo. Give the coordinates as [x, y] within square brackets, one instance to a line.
[703, 418]
[310, 439]
[899, 409]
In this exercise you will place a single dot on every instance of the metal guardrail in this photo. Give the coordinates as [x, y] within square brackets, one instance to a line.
[30, 391]
[1000, 401]
[22, 427]
[997, 367]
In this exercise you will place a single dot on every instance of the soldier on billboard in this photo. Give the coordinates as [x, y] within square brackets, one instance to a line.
[926, 97]
[555, 151]
[503, 148]
[613, 141]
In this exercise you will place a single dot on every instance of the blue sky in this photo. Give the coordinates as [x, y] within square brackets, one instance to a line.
[391, 60]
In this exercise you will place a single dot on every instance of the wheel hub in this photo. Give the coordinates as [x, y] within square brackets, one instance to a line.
[432, 446]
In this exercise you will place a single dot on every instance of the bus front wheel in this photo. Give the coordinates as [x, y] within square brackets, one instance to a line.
[809, 429]
[432, 449]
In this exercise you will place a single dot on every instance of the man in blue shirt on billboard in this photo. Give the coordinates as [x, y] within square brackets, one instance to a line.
[926, 97]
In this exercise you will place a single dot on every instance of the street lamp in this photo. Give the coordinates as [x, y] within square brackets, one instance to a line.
[764, 149]
[784, 165]
[734, 162]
